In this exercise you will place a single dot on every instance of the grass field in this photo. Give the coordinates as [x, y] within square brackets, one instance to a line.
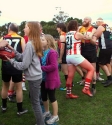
[82, 111]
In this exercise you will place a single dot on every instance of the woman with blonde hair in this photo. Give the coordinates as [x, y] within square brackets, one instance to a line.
[30, 64]
[51, 79]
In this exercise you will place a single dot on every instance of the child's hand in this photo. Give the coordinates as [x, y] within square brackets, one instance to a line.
[10, 47]
[7, 58]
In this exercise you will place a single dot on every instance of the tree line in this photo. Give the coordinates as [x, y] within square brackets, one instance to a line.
[48, 27]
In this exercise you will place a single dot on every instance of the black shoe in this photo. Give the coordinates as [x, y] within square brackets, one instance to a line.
[104, 82]
[3, 109]
[22, 112]
[108, 83]
[11, 98]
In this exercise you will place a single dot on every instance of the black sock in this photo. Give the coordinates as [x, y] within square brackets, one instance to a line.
[93, 86]
[19, 107]
[109, 77]
[66, 76]
[4, 103]
[83, 78]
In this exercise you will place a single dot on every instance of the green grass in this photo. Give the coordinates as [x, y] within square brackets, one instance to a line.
[82, 111]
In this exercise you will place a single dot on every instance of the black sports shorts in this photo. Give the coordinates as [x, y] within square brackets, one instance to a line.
[105, 56]
[91, 56]
[15, 78]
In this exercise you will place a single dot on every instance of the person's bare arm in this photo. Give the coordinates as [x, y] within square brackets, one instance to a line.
[62, 40]
[79, 36]
[92, 33]
[97, 34]
[23, 44]
[91, 37]
[99, 31]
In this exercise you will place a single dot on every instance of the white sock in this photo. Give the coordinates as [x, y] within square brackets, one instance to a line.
[56, 116]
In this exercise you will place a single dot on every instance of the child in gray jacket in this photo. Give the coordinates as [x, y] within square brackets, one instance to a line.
[31, 66]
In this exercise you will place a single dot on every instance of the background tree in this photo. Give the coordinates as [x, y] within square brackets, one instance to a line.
[21, 27]
[61, 17]
[49, 28]
[4, 29]
[43, 23]
[69, 19]
[78, 20]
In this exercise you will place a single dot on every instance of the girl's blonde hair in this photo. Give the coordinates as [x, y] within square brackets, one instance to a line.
[51, 41]
[34, 36]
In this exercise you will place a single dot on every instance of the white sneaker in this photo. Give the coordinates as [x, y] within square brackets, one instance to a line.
[23, 86]
[100, 79]
[46, 114]
[82, 82]
[3, 109]
[53, 119]
[22, 112]
[101, 74]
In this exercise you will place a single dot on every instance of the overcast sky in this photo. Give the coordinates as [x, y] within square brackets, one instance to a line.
[44, 10]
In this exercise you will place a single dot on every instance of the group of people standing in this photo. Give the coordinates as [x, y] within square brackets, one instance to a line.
[39, 60]
[80, 46]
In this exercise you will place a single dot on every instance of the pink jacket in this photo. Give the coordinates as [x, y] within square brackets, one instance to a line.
[51, 69]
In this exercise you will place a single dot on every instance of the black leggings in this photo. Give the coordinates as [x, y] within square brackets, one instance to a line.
[49, 92]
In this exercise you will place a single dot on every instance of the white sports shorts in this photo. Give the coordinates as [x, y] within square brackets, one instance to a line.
[74, 59]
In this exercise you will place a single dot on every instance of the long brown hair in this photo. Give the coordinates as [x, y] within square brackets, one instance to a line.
[34, 36]
[72, 25]
[51, 41]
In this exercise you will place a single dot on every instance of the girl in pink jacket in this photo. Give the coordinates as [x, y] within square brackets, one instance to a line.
[51, 79]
